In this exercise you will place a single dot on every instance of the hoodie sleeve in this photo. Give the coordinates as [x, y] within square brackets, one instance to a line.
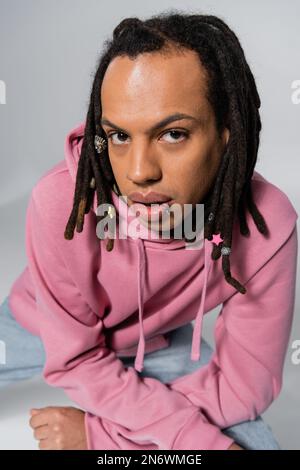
[123, 410]
[252, 331]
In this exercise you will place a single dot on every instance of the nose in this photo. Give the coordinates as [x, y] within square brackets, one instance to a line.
[143, 164]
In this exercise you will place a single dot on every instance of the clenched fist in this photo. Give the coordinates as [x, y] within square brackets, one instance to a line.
[59, 428]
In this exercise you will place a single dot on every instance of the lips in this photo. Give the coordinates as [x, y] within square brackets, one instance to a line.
[149, 198]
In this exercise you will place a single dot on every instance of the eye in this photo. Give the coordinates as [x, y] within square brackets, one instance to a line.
[175, 133]
[118, 133]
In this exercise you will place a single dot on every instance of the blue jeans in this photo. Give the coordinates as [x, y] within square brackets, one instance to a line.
[25, 358]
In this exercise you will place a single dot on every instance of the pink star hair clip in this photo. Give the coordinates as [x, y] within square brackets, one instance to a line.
[217, 239]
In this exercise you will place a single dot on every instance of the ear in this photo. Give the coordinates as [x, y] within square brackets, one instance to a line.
[225, 136]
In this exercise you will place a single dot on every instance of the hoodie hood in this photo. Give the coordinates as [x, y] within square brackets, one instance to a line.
[146, 238]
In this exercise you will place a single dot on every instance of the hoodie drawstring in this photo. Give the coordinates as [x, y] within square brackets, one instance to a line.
[195, 350]
[139, 359]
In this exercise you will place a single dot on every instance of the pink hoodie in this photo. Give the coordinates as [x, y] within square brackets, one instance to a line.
[89, 306]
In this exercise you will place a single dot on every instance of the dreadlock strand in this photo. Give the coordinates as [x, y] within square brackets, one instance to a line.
[257, 217]
[215, 198]
[104, 168]
[229, 216]
[70, 227]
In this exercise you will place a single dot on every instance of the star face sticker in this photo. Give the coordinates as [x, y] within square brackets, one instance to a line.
[217, 239]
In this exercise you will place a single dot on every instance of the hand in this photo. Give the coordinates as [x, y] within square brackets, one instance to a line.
[234, 446]
[59, 428]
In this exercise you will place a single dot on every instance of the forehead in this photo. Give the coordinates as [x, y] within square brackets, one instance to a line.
[154, 83]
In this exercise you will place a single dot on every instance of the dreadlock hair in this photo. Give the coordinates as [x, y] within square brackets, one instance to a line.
[232, 92]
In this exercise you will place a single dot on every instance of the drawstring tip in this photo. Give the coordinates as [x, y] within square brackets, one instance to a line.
[195, 356]
[138, 366]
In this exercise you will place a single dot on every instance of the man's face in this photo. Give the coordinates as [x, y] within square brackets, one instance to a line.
[179, 159]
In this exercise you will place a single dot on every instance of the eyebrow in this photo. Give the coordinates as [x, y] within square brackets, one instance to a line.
[158, 125]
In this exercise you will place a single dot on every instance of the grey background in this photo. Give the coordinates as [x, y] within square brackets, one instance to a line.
[48, 54]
